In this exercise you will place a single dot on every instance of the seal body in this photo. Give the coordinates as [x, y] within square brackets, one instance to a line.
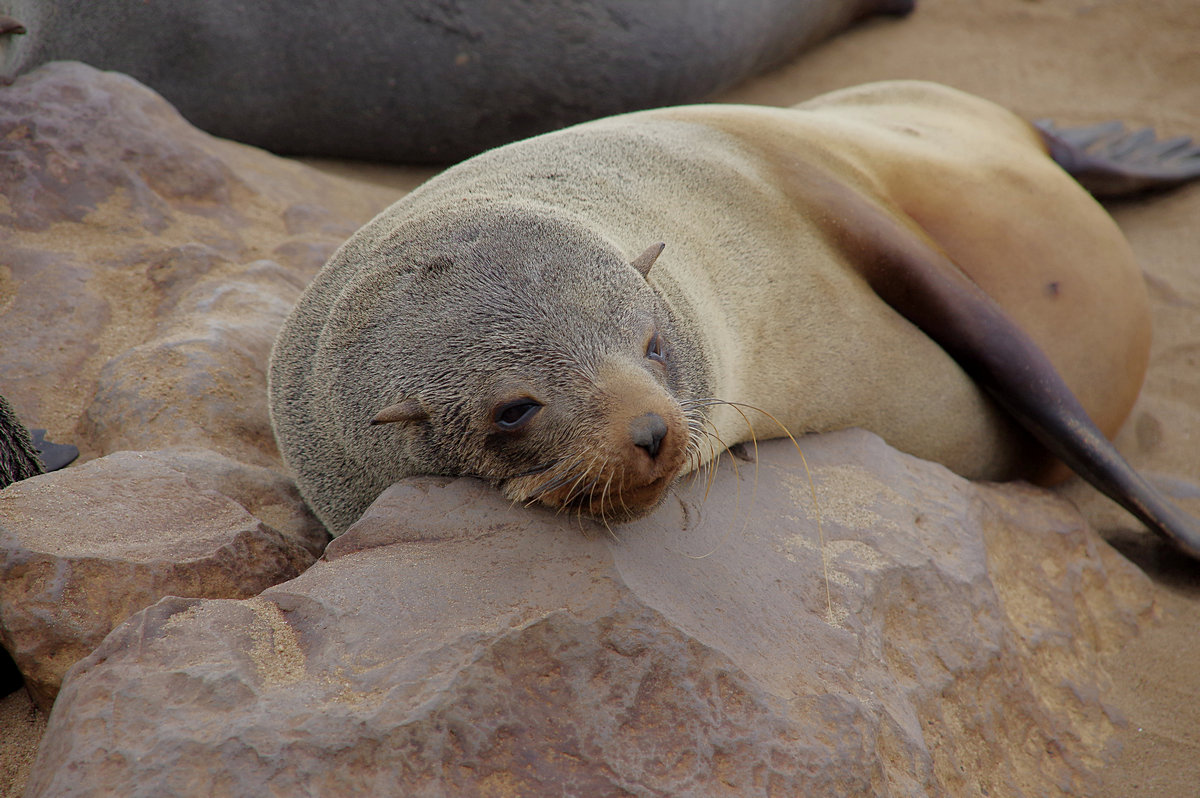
[500, 313]
[418, 80]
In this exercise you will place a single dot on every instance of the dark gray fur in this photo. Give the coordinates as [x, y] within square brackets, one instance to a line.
[18, 457]
[420, 80]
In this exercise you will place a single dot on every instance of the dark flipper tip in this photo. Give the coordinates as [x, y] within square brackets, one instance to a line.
[896, 8]
[1110, 161]
[53, 455]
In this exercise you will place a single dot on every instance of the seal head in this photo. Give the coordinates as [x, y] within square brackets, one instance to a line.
[561, 385]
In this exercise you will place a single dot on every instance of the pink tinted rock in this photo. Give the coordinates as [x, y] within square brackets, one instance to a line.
[928, 636]
[201, 380]
[83, 549]
[135, 244]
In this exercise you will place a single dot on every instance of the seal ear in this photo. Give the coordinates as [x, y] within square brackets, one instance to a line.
[403, 412]
[10, 25]
[644, 261]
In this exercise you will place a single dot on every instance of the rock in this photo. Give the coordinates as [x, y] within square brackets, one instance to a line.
[202, 378]
[266, 494]
[916, 635]
[23, 725]
[83, 549]
[147, 265]
[421, 80]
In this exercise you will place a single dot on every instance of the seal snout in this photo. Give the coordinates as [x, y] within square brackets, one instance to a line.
[647, 432]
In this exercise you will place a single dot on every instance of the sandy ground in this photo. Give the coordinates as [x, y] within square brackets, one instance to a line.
[21, 727]
[1077, 61]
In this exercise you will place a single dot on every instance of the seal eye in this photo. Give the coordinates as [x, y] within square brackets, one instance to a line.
[511, 416]
[656, 349]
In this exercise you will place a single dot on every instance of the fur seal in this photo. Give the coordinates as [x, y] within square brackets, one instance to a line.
[26, 453]
[18, 456]
[420, 80]
[900, 256]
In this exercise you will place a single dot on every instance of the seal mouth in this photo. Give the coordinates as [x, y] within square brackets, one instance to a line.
[618, 467]
[595, 496]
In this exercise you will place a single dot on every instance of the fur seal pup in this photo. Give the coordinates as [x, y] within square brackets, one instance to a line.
[419, 80]
[18, 456]
[26, 453]
[901, 257]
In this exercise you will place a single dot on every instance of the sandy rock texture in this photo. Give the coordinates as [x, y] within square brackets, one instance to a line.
[982, 638]
[145, 269]
[147, 265]
[83, 549]
[450, 644]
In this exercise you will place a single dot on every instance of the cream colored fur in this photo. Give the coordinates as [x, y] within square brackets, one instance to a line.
[778, 315]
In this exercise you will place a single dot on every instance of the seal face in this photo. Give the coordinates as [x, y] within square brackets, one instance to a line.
[485, 354]
[575, 403]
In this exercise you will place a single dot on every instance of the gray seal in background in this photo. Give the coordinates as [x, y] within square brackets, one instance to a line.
[420, 80]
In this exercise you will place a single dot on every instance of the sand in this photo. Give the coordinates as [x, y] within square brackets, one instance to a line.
[21, 727]
[1076, 61]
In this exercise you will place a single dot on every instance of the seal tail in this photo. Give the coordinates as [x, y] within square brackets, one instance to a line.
[1111, 161]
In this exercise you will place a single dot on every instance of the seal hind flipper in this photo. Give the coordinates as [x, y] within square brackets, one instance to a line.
[911, 273]
[1110, 161]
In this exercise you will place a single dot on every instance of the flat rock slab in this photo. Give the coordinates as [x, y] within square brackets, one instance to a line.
[942, 639]
[83, 549]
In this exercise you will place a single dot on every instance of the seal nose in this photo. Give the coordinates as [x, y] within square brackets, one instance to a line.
[647, 431]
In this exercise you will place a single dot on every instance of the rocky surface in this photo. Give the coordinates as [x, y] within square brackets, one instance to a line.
[23, 726]
[83, 549]
[146, 269]
[943, 638]
[147, 266]
[1000, 660]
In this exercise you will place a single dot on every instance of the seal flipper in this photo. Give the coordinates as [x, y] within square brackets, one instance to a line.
[909, 272]
[53, 455]
[1109, 161]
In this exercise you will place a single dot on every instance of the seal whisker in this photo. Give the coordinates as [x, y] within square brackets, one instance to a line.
[715, 453]
[812, 488]
[737, 487]
[536, 470]
[562, 476]
[579, 488]
[604, 503]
